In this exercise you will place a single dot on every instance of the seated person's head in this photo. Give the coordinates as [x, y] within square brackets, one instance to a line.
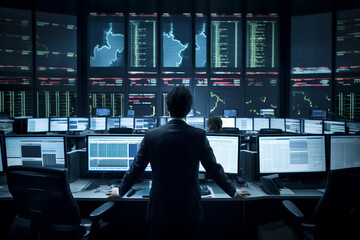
[214, 124]
[179, 101]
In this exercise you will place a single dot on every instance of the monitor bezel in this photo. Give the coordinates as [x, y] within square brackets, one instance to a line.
[37, 136]
[98, 129]
[312, 173]
[299, 121]
[330, 121]
[157, 123]
[322, 124]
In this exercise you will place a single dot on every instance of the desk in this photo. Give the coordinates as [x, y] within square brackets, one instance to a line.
[224, 216]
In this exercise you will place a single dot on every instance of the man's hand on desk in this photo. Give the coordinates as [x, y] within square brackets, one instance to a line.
[241, 193]
[114, 192]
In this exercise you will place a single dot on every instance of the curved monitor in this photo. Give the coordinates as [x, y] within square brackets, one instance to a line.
[110, 153]
[291, 154]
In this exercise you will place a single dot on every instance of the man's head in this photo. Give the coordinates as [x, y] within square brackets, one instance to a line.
[214, 123]
[179, 101]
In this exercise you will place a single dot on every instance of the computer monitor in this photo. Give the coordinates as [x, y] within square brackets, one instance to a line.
[226, 151]
[163, 121]
[244, 124]
[109, 153]
[331, 127]
[318, 114]
[127, 122]
[260, 123]
[35, 151]
[98, 123]
[230, 113]
[277, 123]
[102, 112]
[37, 125]
[354, 127]
[292, 125]
[59, 125]
[112, 122]
[78, 123]
[145, 123]
[344, 151]
[131, 113]
[313, 126]
[1, 157]
[228, 122]
[197, 122]
[267, 112]
[291, 154]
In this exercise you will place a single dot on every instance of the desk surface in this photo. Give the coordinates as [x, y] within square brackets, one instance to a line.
[98, 194]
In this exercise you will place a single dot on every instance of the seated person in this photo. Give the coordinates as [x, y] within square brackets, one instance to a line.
[214, 124]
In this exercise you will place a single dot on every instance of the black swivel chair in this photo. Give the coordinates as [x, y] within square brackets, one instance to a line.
[270, 131]
[337, 215]
[45, 207]
[121, 130]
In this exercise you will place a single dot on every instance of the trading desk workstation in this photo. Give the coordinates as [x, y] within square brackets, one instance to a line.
[292, 165]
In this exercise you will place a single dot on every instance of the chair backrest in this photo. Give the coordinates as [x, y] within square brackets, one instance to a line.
[337, 215]
[230, 130]
[43, 197]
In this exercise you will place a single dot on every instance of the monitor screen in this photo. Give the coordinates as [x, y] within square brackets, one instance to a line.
[163, 121]
[354, 127]
[58, 124]
[102, 112]
[37, 125]
[230, 113]
[112, 122]
[334, 127]
[228, 122]
[226, 151]
[197, 122]
[35, 151]
[292, 125]
[313, 126]
[291, 154]
[127, 122]
[1, 162]
[344, 151]
[145, 123]
[267, 112]
[98, 123]
[277, 123]
[260, 123]
[78, 123]
[319, 114]
[112, 153]
[244, 124]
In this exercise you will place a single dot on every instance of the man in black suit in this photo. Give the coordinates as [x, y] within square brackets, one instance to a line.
[174, 152]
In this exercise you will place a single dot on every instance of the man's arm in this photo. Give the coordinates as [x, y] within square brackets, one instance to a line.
[136, 169]
[217, 173]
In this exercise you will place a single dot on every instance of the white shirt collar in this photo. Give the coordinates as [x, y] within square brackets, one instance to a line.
[181, 119]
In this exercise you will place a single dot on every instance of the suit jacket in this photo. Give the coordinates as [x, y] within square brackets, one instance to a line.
[174, 151]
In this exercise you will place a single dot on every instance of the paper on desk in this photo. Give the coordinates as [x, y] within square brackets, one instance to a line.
[286, 191]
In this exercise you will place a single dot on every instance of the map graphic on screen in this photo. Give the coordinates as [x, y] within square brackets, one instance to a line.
[200, 41]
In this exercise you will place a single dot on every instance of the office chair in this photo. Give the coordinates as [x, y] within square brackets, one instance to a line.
[45, 207]
[337, 215]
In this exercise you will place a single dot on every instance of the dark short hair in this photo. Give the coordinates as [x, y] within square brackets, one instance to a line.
[214, 123]
[179, 101]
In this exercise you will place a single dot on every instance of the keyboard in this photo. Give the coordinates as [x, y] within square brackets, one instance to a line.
[91, 185]
[204, 190]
